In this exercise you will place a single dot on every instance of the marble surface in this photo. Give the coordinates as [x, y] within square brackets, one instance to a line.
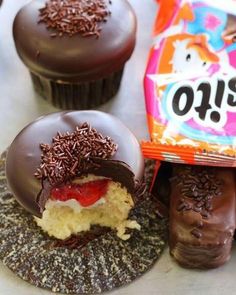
[19, 105]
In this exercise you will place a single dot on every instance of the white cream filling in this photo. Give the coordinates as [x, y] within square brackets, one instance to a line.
[73, 204]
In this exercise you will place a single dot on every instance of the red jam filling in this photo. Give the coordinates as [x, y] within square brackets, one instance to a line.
[86, 194]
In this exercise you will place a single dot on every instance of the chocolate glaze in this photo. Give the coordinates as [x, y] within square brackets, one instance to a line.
[75, 58]
[211, 245]
[24, 155]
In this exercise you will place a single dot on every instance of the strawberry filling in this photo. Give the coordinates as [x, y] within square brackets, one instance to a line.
[86, 194]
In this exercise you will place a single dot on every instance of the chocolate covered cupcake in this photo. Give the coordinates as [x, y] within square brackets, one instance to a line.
[75, 170]
[90, 262]
[75, 50]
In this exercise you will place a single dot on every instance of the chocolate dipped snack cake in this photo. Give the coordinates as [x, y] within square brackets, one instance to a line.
[202, 215]
[75, 50]
[76, 169]
[83, 223]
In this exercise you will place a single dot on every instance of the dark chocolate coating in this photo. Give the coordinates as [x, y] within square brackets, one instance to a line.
[24, 155]
[213, 247]
[76, 58]
[161, 187]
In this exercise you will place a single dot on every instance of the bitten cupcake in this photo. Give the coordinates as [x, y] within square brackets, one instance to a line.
[73, 170]
[75, 50]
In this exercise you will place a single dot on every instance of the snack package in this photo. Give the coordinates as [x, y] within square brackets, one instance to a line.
[190, 83]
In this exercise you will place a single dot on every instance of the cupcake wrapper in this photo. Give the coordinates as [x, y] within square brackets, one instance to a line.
[78, 96]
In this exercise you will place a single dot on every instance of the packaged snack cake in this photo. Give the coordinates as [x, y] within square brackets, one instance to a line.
[190, 83]
[201, 203]
[202, 215]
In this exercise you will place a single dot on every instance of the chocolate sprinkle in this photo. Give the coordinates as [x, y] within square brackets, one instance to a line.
[70, 154]
[100, 265]
[81, 240]
[198, 185]
[74, 17]
[196, 233]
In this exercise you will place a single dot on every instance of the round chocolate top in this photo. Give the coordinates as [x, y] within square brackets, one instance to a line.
[24, 154]
[75, 58]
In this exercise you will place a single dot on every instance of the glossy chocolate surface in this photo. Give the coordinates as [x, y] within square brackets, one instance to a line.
[211, 246]
[75, 58]
[24, 154]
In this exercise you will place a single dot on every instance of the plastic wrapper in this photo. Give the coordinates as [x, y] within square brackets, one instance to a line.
[190, 83]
